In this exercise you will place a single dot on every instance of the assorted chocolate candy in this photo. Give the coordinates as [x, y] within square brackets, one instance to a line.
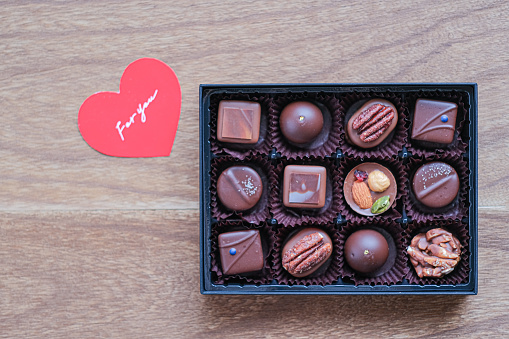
[241, 252]
[238, 122]
[239, 188]
[301, 122]
[366, 251]
[372, 123]
[434, 121]
[370, 189]
[369, 185]
[434, 253]
[304, 186]
[306, 252]
[436, 184]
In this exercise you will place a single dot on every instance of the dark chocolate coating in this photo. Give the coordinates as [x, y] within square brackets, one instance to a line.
[238, 122]
[294, 239]
[369, 167]
[301, 122]
[239, 188]
[366, 251]
[247, 255]
[435, 184]
[434, 121]
[352, 135]
[304, 186]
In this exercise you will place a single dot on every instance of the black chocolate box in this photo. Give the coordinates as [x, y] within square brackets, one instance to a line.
[401, 222]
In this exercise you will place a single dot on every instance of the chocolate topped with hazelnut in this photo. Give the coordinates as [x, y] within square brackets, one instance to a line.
[370, 189]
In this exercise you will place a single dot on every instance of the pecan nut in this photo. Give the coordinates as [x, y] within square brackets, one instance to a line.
[307, 254]
[373, 122]
[434, 253]
[361, 194]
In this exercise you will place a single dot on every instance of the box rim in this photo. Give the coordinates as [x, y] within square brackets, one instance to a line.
[471, 288]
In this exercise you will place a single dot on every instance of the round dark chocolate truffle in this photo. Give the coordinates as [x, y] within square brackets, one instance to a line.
[239, 188]
[301, 122]
[306, 251]
[366, 251]
[436, 184]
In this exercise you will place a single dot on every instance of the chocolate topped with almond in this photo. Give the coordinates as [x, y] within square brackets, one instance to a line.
[434, 253]
[370, 189]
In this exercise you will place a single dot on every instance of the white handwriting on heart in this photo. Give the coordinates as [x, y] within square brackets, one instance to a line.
[139, 111]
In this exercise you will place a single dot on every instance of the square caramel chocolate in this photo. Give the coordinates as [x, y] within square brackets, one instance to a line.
[238, 122]
[304, 186]
[434, 121]
[241, 252]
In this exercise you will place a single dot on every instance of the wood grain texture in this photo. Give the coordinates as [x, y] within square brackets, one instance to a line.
[94, 246]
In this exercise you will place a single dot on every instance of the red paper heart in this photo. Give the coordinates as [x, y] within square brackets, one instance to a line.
[140, 120]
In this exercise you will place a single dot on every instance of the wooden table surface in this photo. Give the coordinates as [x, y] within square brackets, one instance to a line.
[96, 246]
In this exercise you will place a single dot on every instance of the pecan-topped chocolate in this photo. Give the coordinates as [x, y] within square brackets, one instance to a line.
[434, 253]
[371, 123]
[306, 251]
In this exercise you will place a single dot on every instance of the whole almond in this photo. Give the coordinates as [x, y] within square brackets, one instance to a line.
[361, 194]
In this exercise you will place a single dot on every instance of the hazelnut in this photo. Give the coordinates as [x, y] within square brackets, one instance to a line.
[378, 181]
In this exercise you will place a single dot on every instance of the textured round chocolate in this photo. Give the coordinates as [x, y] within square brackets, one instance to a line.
[436, 184]
[322, 250]
[434, 253]
[366, 251]
[369, 167]
[377, 126]
[301, 122]
[239, 188]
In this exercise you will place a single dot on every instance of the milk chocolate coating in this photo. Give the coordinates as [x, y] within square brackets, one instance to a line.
[353, 136]
[294, 239]
[369, 167]
[436, 184]
[239, 188]
[241, 252]
[434, 121]
[238, 122]
[366, 251]
[301, 122]
[304, 186]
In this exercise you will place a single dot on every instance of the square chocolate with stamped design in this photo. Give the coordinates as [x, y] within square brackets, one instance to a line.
[304, 186]
[238, 122]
